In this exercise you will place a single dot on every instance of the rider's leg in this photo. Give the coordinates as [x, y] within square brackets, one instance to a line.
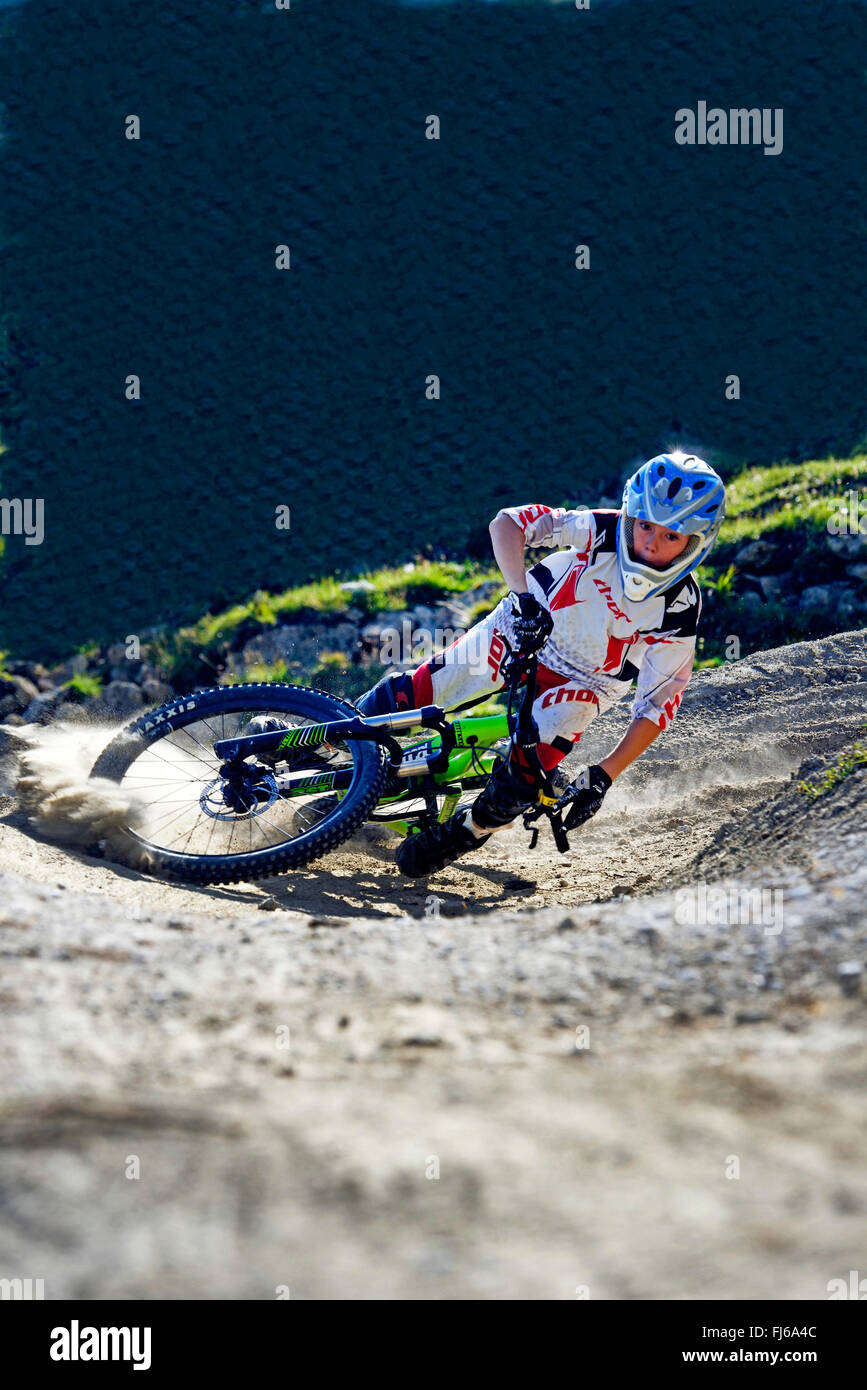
[508, 791]
[562, 710]
[467, 668]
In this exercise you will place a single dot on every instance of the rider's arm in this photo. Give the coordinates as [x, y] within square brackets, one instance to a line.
[507, 539]
[513, 528]
[663, 676]
[638, 737]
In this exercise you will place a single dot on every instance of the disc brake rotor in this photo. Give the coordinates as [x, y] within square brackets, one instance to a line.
[252, 797]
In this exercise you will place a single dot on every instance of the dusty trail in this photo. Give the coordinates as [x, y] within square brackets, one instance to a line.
[141, 1018]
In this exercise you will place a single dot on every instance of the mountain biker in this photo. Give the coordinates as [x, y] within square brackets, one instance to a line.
[618, 604]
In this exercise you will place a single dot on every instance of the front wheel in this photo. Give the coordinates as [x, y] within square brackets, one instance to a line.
[187, 822]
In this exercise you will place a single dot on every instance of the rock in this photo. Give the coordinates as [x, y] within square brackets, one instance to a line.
[858, 572]
[128, 671]
[827, 597]
[293, 644]
[849, 975]
[343, 637]
[156, 692]
[771, 586]
[32, 670]
[648, 936]
[849, 547]
[819, 595]
[451, 615]
[72, 713]
[300, 646]
[357, 586]
[8, 705]
[120, 698]
[756, 555]
[123, 667]
[749, 586]
[75, 666]
[487, 592]
[23, 689]
[43, 707]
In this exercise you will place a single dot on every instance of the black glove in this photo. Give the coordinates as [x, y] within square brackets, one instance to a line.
[532, 622]
[586, 793]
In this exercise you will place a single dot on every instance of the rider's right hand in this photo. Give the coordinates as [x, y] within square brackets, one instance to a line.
[531, 621]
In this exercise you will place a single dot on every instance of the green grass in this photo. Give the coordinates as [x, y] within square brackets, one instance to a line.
[789, 505]
[262, 671]
[847, 763]
[83, 686]
[786, 501]
[720, 583]
[195, 652]
[484, 607]
[788, 496]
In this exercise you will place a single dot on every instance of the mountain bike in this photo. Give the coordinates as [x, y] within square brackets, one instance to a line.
[240, 782]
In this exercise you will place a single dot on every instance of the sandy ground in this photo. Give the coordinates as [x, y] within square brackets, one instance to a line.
[533, 1076]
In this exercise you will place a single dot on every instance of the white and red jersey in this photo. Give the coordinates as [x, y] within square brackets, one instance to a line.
[600, 637]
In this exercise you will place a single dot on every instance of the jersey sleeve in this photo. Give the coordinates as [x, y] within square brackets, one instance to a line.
[552, 526]
[662, 678]
[668, 657]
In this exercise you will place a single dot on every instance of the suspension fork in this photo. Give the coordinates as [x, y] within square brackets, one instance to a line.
[526, 737]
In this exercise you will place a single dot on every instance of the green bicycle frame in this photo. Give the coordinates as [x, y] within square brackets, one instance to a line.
[471, 757]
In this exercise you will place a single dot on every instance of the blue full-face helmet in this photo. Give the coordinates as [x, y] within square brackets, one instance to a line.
[683, 494]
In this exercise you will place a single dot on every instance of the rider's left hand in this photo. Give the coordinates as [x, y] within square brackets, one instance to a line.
[532, 622]
[590, 787]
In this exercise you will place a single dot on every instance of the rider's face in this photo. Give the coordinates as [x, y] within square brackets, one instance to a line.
[656, 545]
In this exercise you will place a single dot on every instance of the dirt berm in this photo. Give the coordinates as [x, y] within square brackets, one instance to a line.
[635, 1071]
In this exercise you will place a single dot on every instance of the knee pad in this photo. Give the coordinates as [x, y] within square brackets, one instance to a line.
[506, 794]
[390, 694]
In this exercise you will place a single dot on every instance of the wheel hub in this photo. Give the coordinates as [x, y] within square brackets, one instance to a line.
[239, 792]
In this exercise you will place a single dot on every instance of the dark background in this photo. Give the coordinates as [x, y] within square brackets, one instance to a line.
[409, 257]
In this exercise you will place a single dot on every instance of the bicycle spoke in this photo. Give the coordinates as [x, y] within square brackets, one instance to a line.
[191, 810]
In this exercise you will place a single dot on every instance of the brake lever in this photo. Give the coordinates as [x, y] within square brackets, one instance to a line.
[561, 840]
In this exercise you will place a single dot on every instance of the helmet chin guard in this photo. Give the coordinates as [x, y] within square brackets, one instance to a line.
[682, 493]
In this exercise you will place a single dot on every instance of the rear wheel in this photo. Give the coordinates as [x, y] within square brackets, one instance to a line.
[188, 822]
